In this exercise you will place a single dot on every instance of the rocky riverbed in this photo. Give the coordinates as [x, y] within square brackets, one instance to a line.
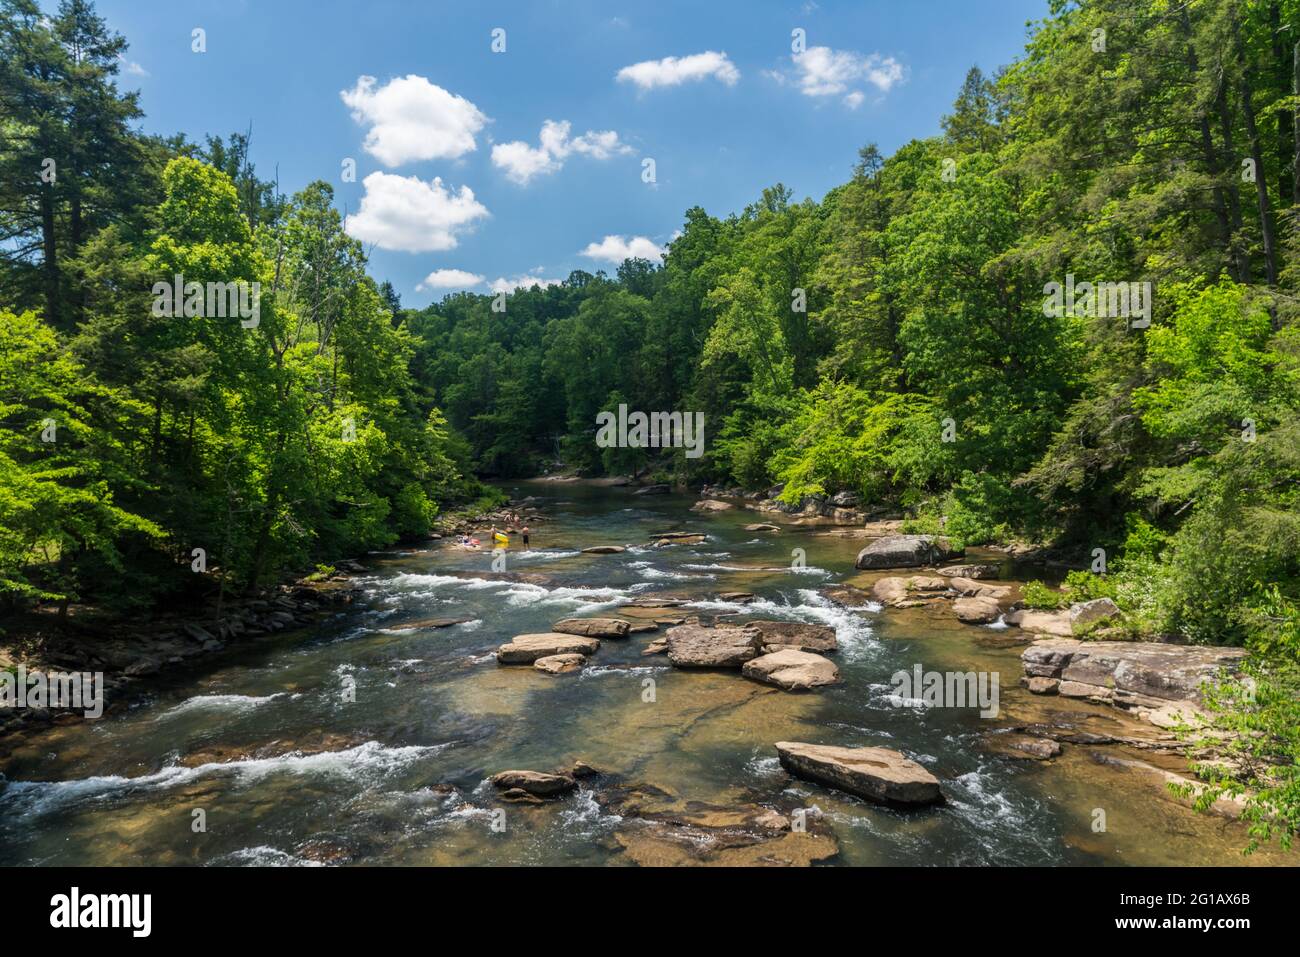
[696, 691]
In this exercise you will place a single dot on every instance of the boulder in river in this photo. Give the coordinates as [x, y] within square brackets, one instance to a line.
[969, 571]
[592, 627]
[899, 592]
[560, 664]
[792, 670]
[653, 490]
[1129, 674]
[711, 505]
[976, 611]
[877, 774]
[762, 527]
[905, 551]
[604, 549]
[799, 635]
[679, 540]
[537, 783]
[526, 649]
[1024, 747]
[695, 646]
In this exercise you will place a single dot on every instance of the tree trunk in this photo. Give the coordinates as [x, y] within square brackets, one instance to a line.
[1286, 194]
[51, 264]
[1212, 164]
[1257, 154]
[1295, 123]
[1239, 253]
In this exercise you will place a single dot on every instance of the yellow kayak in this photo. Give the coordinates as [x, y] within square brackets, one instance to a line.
[503, 539]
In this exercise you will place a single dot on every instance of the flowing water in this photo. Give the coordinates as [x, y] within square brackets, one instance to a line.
[285, 770]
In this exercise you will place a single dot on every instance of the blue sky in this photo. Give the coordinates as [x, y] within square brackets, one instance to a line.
[445, 117]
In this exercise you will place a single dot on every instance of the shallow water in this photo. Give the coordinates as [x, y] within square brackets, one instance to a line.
[286, 771]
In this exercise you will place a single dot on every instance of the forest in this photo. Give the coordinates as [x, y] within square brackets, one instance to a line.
[894, 339]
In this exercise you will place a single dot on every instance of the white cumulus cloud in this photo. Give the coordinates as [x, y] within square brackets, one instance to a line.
[449, 279]
[412, 119]
[614, 249]
[502, 284]
[826, 72]
[407, 214]
[674, 70]
[521, 161]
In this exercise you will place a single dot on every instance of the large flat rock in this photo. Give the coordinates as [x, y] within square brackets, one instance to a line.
[877, 774]
[905, 551]
[592, 627]
[695, 646]
[560, 664]
[1136, 673]
[1044, 622]
[526, 649]
[792, 670]
[900, 592]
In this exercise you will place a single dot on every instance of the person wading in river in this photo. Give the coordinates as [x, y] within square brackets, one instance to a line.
[524, 532]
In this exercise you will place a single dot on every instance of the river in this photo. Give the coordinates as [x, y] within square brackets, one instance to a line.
[260, 758]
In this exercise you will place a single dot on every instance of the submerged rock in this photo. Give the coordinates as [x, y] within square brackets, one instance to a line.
[653, 490]
[658, 830]
[877, 774]
[695, 646]
[762, 527]
[429, 623]
[526, 649]
[592, 627]
[905, 551]
[846, 596]
[792, 670]
[604, 549]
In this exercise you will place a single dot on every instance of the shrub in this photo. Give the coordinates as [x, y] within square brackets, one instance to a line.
[1038, 595]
